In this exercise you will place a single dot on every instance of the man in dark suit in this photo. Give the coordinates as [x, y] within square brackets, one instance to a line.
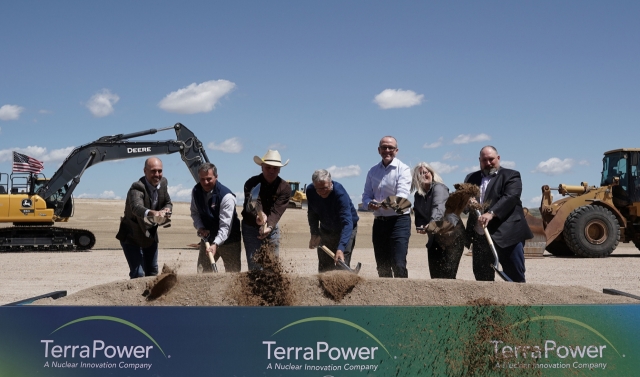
[500, 190]
[148, 205]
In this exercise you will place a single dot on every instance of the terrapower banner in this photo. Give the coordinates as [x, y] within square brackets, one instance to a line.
[336, 341]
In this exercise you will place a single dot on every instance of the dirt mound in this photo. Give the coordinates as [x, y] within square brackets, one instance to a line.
[218, 290]
[162, 284]
[337, 284]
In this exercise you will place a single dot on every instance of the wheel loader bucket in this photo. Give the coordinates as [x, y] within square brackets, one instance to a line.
[534, 248]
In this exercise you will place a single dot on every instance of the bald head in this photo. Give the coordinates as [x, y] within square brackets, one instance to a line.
[489, 160]
[153, 170]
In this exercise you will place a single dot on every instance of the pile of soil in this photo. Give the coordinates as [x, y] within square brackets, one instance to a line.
[335, 288]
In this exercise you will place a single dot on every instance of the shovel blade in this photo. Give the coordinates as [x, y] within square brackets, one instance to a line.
[252, 204]
[502, 274]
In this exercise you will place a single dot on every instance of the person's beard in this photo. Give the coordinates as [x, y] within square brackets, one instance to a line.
[489, 171]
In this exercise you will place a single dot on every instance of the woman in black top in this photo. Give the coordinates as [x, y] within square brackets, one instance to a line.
[443, 251]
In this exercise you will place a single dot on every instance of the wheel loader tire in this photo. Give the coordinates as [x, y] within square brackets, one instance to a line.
[591, 232]
[559, 248]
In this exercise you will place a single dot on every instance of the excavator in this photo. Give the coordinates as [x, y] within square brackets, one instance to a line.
[34, 203]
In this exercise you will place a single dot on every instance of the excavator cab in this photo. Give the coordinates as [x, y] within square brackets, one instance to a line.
[56, 199]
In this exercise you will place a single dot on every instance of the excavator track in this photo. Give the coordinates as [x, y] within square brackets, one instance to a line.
[45, 238]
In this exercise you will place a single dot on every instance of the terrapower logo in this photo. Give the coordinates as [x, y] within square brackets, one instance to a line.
[328, 356]
[98, 353]
[555, 353]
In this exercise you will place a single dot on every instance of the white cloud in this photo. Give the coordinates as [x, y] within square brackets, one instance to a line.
[10, 112]
[397, 98]
[470, 169]
[451, 156]
[0, 130]
[101, 103]
[107, 194]
[180, 192]
[196, 98]
[44, 111]
[435, 144]
[232, 145]
[554, 166]
[583, 162]
[442, 168]
[536, 199]
[508, 164]
[39, 153]
[277, 147]
[466, 139]
[345, 171]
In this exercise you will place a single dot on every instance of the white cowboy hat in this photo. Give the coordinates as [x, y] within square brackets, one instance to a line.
[271, 158]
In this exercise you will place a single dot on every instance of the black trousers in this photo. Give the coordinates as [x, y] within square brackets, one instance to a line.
[390, 245]
[511, 260]
[331, 240]
[445, 253]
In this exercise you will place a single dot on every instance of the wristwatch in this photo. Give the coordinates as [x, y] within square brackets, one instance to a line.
[491, 213]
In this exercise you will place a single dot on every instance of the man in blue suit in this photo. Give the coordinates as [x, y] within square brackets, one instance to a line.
[500, 191]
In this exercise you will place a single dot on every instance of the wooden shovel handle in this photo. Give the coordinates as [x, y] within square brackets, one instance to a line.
[209, 254]
[328, 251]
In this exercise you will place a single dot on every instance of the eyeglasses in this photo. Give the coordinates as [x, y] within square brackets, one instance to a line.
[387, 148]
[325, 188]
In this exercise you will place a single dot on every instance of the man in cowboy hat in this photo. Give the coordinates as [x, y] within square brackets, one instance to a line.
[274, 197]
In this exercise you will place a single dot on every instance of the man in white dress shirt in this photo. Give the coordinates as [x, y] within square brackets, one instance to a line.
[391, 230]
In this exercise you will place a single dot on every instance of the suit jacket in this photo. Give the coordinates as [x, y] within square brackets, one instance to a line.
[135, 227]
[502, 196]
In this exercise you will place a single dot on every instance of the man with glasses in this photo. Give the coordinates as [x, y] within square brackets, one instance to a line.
[148, 205]
[333, 220]
[391, 230]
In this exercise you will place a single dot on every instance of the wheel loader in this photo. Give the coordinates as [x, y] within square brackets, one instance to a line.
[590, 221]
[298, 197]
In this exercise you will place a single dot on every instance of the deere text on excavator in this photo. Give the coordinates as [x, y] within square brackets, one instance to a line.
[34, 203]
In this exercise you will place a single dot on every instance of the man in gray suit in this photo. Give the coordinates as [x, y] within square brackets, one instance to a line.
[148, 205]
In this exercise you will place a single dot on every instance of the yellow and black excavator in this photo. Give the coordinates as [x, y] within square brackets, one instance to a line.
[34, 203]
[591, 221]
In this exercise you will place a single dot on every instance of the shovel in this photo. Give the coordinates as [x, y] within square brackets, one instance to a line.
[210, 255]
[254, 207]
[341, 263]
[496, 263]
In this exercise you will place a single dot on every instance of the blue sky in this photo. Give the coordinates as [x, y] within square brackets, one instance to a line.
[551, 84]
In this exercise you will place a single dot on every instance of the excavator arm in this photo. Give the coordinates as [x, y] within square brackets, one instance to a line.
[33, 220]
[118, 147]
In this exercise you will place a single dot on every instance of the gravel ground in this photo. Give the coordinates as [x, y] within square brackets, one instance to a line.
[100, 277]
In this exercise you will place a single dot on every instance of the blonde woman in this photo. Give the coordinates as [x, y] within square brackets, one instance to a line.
[429, 199]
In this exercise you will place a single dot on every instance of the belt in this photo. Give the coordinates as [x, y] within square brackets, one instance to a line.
[385, 218]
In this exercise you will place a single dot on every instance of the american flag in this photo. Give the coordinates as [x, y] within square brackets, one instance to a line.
[25, 164]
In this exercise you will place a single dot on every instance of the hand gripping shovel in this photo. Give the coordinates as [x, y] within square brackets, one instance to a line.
[496, 263]
[341, 263]
[210, 255]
